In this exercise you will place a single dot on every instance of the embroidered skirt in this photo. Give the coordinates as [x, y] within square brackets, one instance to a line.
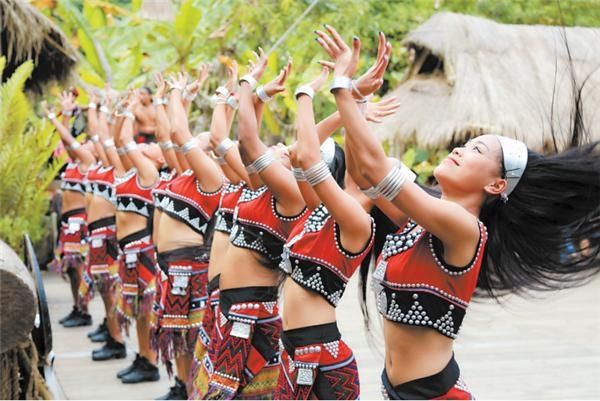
[102, 268]
[445, 385]
[72, 241]
[246, 361]
[205, 344]
[183, 301]
[137, 272]
[317, 364]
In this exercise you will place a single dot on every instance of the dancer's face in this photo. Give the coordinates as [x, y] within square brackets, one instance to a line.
[145, 97]
[475, 167]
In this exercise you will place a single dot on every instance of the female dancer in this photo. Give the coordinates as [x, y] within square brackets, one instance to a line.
[188, 206]
[73, 235]
[493, 181]
[134, 211]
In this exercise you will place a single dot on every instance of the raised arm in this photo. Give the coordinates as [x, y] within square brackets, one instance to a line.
[163, 126]
[83, 155]
[94, 128]
[206, 170]
[191, 91]
[353, 221]
[147, 170]
[273, 173]
[447, 220]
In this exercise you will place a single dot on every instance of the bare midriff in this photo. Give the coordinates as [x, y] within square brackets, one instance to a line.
[175, 235]
[241, 268]
[303, 308]
[414, 352]
[218, 250]
[100, 208]
[129, 223]
[72, 200]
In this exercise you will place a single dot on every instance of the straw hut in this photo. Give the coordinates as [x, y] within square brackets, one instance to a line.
[159, 10]
[469, 75]
[26, 34]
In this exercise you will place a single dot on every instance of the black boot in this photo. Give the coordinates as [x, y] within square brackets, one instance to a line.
[99, 335]
[79, 319]
[129, 368]
[143, 372]
[69, 316]
[177, 392]
[111, 350]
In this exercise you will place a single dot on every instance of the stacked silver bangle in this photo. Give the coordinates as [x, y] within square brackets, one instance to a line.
[166, 145]
[370, 192]
[95, 138]
[389, 187]
[109, 143]
[262, 162]
[121, 151]
[189, 145]
[223, 147]
[250, 79]
[317, 173]
[130, 147]
[262, 95]
[250, 169]
[74, 146]
[299, 174]
[340, 82]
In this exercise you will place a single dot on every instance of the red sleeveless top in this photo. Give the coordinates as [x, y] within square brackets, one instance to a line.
[159, 191]
[72, 179]
[131, 196]
[229, 199]
[316, 259]
[258, 226]
[414, 286]
[101, 180]
[88, 178]
[186, 202]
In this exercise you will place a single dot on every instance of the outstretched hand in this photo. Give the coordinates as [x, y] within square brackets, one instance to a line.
[256, 68]
[195, 86]
[232, 76]
[277, 84]
[46, 108]
[177, 81]
[345, 58]
[319, 81]
[67, 101]
[377, 111]
[161, 85]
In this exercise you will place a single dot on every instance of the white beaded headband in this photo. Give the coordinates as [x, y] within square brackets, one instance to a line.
[514, 154]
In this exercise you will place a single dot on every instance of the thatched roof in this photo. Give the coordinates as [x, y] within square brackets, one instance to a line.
[471, 75]
[27, 34]
[160, 10]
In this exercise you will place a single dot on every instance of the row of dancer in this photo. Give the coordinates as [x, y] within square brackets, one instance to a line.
[208, 252]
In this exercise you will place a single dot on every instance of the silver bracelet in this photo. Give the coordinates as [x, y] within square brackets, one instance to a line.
[299, 174]
[130, 147]
[104, 109]
[222, 91]
[262, 95]
[74, 146]
[306, 90]
[67, 113]
[109, 143]
[219, 159]
[177, 86]
[92, 106]
[389, 187]
[95, 138]
[177, 148]
[370, 192]
[128, 114]
[355, 89]
[340, 82]
[317, 173]
[166, 145]
[189, 145]
[189, 96]
[223, 147]
[232, 102]
[250, 169]
[263, 161]
[51, 116]
[158, 101]
[250, 79]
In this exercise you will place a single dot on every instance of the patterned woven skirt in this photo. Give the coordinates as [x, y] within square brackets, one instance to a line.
[183, 301]
[246, 361]
[72, 241]
[102, 268]
[445, 385]
[204, 350]
[137, 272]
[317, 364]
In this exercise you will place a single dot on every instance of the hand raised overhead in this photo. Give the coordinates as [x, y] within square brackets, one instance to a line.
[345, 58]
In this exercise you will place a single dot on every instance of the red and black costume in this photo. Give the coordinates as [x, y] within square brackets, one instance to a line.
[415, 286]
[204, 350]
[102, 269]
[246, 360]
[315, 362]
[185, 298]
[138, 267]
[72, 245]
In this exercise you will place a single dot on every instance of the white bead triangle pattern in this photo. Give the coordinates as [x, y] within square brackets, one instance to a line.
[223, 319]
[270, 306]
[333, 348]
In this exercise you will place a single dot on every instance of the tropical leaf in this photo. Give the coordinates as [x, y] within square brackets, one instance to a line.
[187, 19]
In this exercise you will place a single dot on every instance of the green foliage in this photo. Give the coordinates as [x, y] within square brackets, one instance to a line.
[423, 161]
[26, 145]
